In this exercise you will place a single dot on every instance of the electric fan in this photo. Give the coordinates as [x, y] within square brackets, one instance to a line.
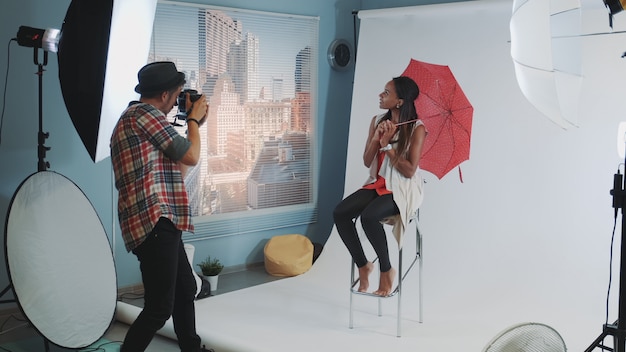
[527, 337]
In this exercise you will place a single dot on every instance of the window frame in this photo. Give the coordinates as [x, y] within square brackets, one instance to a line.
[264, 219]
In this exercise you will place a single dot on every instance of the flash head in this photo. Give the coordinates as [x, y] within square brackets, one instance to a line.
[46, 39]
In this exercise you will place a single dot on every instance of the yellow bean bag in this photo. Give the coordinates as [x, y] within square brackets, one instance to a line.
[288, 255]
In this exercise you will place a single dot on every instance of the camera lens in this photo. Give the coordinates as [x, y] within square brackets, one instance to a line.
[182, 101]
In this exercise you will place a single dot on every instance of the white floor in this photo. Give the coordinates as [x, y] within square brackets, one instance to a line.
[310, 313]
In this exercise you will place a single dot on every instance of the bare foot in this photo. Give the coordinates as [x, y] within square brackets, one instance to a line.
[386, 282]
[364, 275]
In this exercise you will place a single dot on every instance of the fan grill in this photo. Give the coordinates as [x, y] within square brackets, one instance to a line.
[527, 337]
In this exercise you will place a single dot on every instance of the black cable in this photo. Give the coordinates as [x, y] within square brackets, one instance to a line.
[3, 331]
[100, 347]
[86, 349]
[12, 316]
[617, 204]
[6, 80]
[608, 293]
[132, 295]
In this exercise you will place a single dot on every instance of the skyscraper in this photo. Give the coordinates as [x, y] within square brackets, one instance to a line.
[302, 76]
[217, 32]
[301, 104]
[243, 67]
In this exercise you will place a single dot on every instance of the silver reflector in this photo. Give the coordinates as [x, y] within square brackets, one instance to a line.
[59, 261]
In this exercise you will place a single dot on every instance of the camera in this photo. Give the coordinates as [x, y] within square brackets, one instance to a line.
[181, 101]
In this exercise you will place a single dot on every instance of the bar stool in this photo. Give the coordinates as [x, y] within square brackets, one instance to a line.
[401, 276]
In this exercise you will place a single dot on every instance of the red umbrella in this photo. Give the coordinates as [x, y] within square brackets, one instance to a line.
[447, 115]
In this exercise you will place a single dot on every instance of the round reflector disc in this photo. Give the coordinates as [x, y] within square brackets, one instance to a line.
[60, 261]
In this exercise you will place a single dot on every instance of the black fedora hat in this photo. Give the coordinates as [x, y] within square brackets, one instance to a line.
[158, 77]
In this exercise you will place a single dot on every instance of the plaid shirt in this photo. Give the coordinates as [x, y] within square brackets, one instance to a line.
[150, 183]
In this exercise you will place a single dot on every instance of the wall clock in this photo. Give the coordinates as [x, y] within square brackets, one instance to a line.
[339, 54]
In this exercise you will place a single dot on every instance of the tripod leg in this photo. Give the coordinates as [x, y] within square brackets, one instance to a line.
[596, 343]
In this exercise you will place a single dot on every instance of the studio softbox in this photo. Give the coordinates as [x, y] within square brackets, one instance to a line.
[103, 44]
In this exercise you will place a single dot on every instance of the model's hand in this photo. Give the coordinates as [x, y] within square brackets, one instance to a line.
[386, 130]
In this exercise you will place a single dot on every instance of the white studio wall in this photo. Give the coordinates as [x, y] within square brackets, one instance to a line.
[526, 236]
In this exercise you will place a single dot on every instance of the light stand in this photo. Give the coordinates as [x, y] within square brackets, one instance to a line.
[47, 40]
[42, 165]
[617, 329]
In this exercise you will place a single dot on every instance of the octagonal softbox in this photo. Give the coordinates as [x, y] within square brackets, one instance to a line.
[102, 47]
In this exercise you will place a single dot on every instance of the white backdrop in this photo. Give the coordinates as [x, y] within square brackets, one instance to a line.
[526, 237]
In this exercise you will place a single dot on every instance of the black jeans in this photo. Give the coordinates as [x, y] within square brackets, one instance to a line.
[169, 290]
[372, 208]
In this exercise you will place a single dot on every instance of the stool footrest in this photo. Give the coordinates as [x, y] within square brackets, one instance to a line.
[396, 289]
[370, 294]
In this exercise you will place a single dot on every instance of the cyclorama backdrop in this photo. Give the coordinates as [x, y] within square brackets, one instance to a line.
[526, 236]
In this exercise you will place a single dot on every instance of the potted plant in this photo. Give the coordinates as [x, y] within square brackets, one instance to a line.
[211, 268]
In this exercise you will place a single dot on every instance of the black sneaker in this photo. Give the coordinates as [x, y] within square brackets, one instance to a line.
[204, 349]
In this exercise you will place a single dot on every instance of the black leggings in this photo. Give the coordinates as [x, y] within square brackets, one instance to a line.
[372, 208]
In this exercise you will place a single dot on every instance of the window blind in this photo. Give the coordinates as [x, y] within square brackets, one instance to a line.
[258, 71]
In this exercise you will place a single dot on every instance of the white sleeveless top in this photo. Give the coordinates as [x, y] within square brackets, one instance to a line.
[408, 193]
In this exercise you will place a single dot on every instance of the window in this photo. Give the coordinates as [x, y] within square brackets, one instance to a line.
[259, 73]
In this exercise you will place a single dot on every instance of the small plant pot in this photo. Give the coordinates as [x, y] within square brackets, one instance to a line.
[213, 281]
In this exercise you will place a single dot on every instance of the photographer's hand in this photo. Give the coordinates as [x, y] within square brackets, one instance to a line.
[195, 118]
[198, 109]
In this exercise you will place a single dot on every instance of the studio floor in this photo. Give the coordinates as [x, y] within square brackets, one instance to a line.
[17, 335]
[253, 311]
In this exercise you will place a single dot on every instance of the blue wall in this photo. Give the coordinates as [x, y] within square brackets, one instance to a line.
[18, 144]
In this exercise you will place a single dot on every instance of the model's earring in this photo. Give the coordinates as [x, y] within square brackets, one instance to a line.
[397, 106]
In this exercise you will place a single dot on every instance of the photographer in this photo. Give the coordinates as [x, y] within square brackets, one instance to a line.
[147, 155]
